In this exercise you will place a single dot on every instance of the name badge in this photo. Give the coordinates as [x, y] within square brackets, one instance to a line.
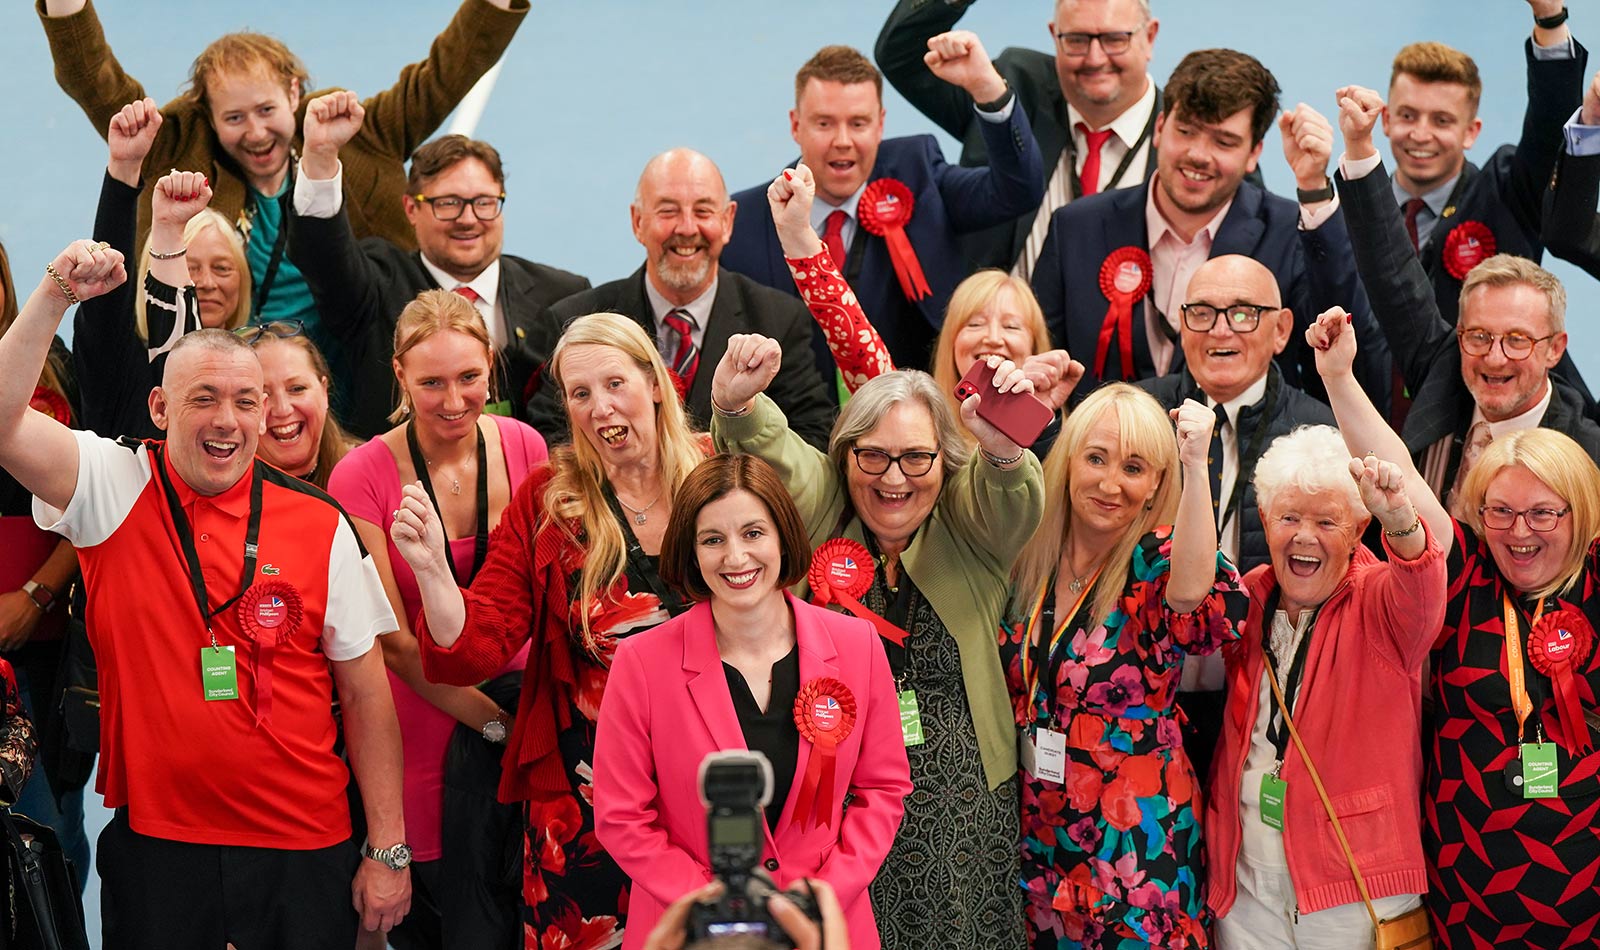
[219, 673]
[1273, 790]
[501, 408]
[1044, 754]
[1541, 777]
[910, 718]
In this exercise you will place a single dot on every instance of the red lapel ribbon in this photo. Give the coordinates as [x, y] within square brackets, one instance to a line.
[269, 614]
[841, 573]
[51, 403]
[825, 711]
[1467, 245]
[1124, 279]
[1559, 644]
[885, 210]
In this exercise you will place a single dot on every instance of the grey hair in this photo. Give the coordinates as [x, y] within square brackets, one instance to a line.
[1144, 9]
[872, 402]
[1313, 459]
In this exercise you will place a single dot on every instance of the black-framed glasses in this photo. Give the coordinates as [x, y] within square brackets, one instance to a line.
[277, 329]
[1113, 44]
[1242, 317]
[1501, 518]
[1515, 346]
[877, 461]
[449, 207]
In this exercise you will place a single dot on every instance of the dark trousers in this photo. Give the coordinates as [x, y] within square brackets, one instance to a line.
[157, 894]
[1203, 710]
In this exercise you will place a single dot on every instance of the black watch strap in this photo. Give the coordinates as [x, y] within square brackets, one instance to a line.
[997, 104]
[1325, 193]
[1551, 22]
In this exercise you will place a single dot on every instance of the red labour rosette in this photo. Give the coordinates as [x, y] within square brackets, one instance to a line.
[51, 403]
[841, 573]
[885, 210]
[1559, 645]
[269, 614]
[1124, 279]
[1467, 245]
[825, 712]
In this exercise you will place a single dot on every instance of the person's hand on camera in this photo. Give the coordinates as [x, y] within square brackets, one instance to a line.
[833, 934]
[672, 928]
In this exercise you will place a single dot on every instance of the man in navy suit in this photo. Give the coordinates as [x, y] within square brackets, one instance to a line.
[838, 123]
[1115, 266]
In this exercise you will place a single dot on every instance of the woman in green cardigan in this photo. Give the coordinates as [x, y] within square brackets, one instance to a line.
[939, 524]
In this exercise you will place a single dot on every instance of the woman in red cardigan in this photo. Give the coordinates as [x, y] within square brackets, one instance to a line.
[571, 567]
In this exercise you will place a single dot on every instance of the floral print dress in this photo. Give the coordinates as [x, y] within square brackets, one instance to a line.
[1112, 859]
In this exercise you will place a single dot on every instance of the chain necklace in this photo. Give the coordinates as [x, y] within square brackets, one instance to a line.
[639, 516]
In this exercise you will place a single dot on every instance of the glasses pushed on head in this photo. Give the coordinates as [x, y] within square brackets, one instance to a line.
[276, 329]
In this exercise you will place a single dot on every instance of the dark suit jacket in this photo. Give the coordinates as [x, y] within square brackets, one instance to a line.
[1030, 73]
[360, 289]
[741, 306]
[1571, 227]
[1422, 340]
[947, 201]
[1314, 269]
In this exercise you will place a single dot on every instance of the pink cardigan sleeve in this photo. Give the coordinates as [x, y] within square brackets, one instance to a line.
[1403, 604]
[855, 345]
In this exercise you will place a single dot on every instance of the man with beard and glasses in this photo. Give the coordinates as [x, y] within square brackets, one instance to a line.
[239, 124]
[453, 201]
[690, 305]
[1114, 268]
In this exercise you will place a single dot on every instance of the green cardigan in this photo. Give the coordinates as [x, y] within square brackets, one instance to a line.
[960, 558]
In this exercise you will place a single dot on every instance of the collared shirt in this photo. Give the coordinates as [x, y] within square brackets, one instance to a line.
[1172, 262]
[487, 286]
[820, 209]
[1436, 460]
[699, 308]
[1581, 139]
[1126, 129]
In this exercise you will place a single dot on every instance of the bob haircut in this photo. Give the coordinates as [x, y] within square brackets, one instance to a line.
[1566, 468]
[716, 478]
[1313, 459]
[972, 295]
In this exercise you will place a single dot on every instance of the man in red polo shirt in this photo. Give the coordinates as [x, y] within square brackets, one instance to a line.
[226, 600]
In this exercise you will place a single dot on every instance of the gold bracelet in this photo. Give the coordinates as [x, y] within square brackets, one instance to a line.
[1400, 534]
[66, 288]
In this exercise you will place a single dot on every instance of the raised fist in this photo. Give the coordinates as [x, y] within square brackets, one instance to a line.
[177, 197]
[790, 196]
[747, 368]
[1195, 422]
[1307, 145]
[331, 121]
[1360, 109]
[958, 57]
[131, 134]
[90, 268]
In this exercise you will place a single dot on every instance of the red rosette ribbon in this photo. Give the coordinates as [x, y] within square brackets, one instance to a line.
[841, 573]
[51, 403]
[269, 614]
[1467, 245]
[825, 711]
[1559, 644]
[1124, 279]
[885, 210]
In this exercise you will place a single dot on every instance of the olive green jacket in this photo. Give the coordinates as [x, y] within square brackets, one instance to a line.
[960, 558]
[398, 119]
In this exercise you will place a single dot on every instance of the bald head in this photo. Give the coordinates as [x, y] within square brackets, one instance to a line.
[682, 216]
[209, 403]
[1235, 351]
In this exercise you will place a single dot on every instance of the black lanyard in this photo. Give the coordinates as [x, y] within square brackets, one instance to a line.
[1277, 732]
[279, 244]
[639, 562]
[191, 556]
[1049, 666]
[897, 605]
[480, 544]
[1248, 458]
[1127, 159]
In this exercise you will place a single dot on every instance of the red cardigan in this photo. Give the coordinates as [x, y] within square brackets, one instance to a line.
[1360, 714]
[520, 592]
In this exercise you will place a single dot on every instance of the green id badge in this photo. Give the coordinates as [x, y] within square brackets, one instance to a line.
[1540, 776]
[501, 408]
[219, 673]
[1273, 789]
[910, 718]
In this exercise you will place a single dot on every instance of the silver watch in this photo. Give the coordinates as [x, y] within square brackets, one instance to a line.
[495, 730]
[395, 858]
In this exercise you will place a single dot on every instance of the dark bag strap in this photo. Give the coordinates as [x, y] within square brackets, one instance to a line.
[35, 887]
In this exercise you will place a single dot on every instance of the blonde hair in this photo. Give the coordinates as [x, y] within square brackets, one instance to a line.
[1563, 465]
[1145, 430]
[576, 491]
[207, 218]
[971, 295]
[1507, 270]
[431, 313]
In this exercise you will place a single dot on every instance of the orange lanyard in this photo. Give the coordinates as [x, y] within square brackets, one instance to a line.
[1521, 703]
[1030, 676]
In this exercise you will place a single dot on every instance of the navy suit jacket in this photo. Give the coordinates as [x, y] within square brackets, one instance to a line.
[947, 201]
[1315, 270]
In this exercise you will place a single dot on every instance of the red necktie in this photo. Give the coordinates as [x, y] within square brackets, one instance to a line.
[1413, 208]
[468, 293]
[1090, 179]
[833, 237]
[686, 357]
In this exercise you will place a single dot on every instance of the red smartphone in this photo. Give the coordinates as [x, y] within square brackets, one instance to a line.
[1020, 417]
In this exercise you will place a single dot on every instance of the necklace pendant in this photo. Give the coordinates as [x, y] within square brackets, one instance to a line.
[1076, 585]
[640, 518]
[455, 486]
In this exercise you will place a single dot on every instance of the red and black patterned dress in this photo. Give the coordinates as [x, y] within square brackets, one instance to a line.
[1506, 871]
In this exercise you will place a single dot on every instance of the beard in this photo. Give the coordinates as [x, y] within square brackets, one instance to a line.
[681, 275]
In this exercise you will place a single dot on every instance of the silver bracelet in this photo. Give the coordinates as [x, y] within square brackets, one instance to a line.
[999, 462]
[730, 413]
[156, 255]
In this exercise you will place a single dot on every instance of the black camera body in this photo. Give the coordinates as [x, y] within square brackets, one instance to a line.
[736, 787]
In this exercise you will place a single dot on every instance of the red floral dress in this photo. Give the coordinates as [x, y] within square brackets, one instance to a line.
[855, 345]
[1112, 859]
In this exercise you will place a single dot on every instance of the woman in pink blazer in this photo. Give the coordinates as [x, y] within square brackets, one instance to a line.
[749, 667]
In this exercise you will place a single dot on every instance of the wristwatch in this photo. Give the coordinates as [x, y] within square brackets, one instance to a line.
[41, 595]
[497, 729]
[1325, 193]
[1552, 21]
[395, 858]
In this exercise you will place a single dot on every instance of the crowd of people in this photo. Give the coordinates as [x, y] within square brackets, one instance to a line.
[401, 586]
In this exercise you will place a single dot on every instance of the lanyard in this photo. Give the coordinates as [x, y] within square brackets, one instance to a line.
[480, 544]
[639, 563]
[1127, 158]
[1516, 670]
[1247, 459]
[191, 557]
[279, 243]
[1277, 733]
[1041, 626]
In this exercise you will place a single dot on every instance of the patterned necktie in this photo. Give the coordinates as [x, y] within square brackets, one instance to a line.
[1214, 465]
[1478, 439]
[686, 356]
[1413, 208]
[833, 237]
[1090, 179]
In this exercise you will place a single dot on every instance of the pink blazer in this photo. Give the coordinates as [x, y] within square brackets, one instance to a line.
[667, 705]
